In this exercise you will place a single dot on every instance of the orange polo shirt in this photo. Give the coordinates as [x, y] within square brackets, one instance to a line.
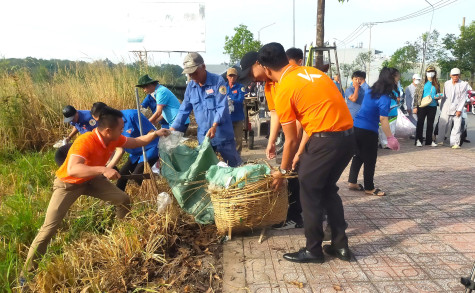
[91, 147]
[308, 95]
[269, 92]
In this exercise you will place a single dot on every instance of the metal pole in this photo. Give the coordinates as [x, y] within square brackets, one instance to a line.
[427, 39]
[259, 31]
[369, 50]
[293, 19]
[140, 122]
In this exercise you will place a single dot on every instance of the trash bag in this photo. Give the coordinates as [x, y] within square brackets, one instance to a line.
[404, 127]
[225, 177]
[184, 168]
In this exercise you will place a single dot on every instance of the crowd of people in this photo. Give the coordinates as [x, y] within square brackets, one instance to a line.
[324, 132]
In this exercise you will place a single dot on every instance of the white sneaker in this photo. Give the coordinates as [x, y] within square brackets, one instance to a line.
[289, 224]
[455, 146]
[434, 144]
[418, 143]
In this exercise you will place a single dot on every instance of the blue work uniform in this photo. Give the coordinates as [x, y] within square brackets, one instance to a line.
[236, 94]
[85, 122]
[210, 105]
[132, 129]
[164, 97]
[394, 105]
[373, 107]
[354, 107]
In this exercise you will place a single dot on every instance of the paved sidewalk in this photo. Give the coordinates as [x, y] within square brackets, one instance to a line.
[419, 238]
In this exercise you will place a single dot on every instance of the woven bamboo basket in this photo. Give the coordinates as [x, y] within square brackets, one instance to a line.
[256, 205]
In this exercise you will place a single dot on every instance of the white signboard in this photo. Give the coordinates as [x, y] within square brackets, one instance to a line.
[166, 26]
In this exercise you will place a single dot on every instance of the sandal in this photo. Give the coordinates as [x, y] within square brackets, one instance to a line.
[359, 188]
[376, 192]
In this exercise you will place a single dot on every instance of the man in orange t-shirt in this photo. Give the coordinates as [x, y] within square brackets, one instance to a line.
[253, 70]
[307, 95]
[84, 173]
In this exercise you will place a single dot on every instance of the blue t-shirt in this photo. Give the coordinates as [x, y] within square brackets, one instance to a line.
[354, 107]
[429, 90]
[371, 109]
[163, 96]
[236, 94]
[132, 129]
[85, 122]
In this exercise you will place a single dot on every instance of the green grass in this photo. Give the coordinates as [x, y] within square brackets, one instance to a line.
[26, 181]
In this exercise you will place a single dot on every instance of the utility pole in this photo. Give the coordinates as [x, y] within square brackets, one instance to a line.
[463, 22]
[370, 24]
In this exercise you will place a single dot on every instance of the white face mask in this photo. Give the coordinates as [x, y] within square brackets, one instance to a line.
[417, 81]
[430, 74]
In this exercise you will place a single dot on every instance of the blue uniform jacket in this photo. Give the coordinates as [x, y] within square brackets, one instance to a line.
[210, 105]
[236, 94]
[85, 122]
[132, 129]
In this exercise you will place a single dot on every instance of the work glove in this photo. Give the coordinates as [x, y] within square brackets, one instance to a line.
[393, 143]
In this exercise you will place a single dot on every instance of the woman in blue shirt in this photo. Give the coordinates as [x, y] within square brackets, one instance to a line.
[430, 87]
[375, 109]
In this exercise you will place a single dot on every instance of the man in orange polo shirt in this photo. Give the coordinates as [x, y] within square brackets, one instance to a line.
[84, 173]
[307, 95]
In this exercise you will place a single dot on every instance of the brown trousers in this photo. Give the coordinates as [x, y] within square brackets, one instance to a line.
[238, 134]
[64, 195]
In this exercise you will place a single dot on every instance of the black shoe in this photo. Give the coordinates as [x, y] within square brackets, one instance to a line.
[304, 256]
[466, 140]
[289, 224]
[342, 253]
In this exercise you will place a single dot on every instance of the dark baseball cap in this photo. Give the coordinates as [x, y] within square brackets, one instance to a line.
[247, 61]
[68, 113]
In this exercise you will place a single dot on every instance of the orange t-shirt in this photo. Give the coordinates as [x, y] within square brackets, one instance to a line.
[269, 92]
[91, 147]
[308, 95]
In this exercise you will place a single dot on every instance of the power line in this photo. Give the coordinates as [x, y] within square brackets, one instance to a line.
[440, 4]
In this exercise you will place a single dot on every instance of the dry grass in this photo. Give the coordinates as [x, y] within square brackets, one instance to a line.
[30, 112]
[148, 251]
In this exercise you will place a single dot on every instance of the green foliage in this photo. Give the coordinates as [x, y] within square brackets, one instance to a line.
[25, 189]
[240, 43]
[25, 183]
[460, 51]
[404, 59]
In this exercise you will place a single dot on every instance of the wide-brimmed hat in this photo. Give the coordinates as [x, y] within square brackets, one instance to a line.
[145, 80]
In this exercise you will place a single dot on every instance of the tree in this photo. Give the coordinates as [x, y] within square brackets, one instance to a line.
[404, 59]
[241, 43]
[461, 51]
[363, 60]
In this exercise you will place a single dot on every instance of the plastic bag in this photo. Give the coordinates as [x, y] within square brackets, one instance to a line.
[168, 143]
[163, 200]
[404, 126]
[60, 143]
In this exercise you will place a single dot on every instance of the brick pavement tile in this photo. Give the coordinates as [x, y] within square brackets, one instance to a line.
[398, 226]
[362, 228]
[356, 287]
[411, 286]
[253, 249]
[427, 248]
[259, 271]
[380, 273]
[450, 285]
[387, 212]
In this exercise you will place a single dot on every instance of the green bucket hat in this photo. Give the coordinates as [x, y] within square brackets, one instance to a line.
[145, 80]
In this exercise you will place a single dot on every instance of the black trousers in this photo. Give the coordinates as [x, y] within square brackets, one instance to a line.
[366, 153]
[422, 113]
[294, 212]
[321, 165]
[133, 168]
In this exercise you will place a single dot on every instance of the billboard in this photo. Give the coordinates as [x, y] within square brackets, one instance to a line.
[166, 26]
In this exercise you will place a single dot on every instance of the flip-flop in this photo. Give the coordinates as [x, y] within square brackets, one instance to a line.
[376, 192]
[359, 188]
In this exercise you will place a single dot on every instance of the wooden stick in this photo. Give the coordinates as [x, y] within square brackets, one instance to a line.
[263, 232]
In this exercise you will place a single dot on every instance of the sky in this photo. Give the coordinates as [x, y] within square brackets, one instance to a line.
[97, 29]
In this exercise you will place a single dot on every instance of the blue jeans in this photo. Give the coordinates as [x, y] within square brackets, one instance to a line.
[227, 149]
